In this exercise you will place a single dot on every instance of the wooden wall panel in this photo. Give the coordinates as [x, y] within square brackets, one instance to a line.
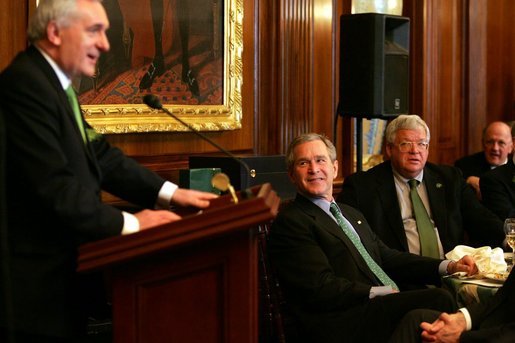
[436, 56]
[500, 56]
[13, 19]
[297, 71]
[491, 74]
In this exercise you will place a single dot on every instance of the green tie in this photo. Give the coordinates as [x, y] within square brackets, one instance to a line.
[426, 231]
[374, 267]
[72, 98]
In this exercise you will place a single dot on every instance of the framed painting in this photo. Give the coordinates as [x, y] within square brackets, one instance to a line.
[188, 53]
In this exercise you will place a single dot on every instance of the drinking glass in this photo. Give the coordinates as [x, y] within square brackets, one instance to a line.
[509, 230]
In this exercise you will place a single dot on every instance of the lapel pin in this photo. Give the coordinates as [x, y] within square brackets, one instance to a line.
[439, 185]
[359, 221]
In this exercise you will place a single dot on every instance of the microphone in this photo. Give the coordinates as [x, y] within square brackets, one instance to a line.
[153, 101]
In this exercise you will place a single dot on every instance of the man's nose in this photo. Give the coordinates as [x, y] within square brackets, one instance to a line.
[103, 43]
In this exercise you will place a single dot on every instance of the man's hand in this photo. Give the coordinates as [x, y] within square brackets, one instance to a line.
[464, 264]
[189, 197]
[446, 329]
[150, 218]
[474, 182]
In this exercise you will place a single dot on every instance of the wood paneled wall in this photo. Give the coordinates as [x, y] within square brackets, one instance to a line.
[461, 77]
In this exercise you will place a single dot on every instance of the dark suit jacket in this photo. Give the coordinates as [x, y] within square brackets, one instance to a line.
[493, 321]
[53, 192]
[322, 275]
[498, 190]
[455, 208]
[473, 165]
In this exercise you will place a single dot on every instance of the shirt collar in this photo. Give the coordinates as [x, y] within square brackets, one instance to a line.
[402, 179]
[63, 79]
[322, 203]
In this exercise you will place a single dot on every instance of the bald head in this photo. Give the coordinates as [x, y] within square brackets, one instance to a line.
[497, 142]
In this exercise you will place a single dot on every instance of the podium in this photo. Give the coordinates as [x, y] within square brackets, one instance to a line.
[194, 280]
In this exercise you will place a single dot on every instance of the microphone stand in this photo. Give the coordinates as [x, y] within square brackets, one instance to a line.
[153, 101]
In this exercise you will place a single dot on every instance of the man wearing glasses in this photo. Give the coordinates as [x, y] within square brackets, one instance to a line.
[417, 206]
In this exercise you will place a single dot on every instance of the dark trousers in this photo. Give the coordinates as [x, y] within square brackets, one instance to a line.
[377, 319]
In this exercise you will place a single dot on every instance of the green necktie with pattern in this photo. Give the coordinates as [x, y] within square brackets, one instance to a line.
[426, 230]
[74, 103]
[374, 267]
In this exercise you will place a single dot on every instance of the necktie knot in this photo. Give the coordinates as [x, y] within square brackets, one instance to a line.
[413, 183]
[335, 210]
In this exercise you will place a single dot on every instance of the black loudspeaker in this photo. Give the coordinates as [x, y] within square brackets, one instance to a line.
[374, 65]
[270, 169]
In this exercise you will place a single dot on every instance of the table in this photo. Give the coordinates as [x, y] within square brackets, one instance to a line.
[469, 291]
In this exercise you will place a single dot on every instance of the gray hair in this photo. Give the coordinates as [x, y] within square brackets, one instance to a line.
[406, 122]
[63, 12]
[308, 137]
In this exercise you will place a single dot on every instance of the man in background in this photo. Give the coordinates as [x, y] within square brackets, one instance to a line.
[417, 206]
[498, 188]
[497, 146]
[57, 166]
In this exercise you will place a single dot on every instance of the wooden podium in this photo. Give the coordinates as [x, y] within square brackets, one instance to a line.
[194, 280]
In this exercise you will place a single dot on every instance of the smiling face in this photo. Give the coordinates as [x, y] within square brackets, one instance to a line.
[78, 45]
[497, 143]
[313, 172]
[410, 163]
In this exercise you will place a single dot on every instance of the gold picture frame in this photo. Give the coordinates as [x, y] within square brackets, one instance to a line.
[133, 117]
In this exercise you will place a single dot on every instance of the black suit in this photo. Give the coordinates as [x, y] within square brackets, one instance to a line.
[492, 320]
[53, 192]
[498, 190]
[455, 209]
[473, 165]
[327, 283]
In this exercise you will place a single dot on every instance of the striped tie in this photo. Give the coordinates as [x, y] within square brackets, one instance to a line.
[374, 267]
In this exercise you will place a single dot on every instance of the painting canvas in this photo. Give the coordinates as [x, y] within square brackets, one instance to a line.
[186, 52]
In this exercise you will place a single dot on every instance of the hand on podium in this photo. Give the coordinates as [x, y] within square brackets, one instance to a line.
[151, 218]
[189, 197]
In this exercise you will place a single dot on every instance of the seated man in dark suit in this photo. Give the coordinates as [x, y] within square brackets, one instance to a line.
[498, 189]
[497, 145]
[450, 209]
[490, 321]
[338, 278]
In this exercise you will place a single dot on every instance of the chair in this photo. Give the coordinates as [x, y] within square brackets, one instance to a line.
[276, 324]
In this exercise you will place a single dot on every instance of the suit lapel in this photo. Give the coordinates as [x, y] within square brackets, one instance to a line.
[388, 196]
[42, 63]
[436, 194]
[325, 222]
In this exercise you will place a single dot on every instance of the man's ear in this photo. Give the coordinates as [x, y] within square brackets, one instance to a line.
[53, 33]
[335, 166]
[388, 150]
[291, 176]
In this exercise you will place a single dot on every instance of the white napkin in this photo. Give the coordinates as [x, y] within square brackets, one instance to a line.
[488, 260]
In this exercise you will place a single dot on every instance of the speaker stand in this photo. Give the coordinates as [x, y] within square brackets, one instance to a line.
[359, 143]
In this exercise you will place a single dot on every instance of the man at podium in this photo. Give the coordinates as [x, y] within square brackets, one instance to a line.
[57, 166]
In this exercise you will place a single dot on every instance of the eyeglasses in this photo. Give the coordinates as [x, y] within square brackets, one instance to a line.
[408, 146]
